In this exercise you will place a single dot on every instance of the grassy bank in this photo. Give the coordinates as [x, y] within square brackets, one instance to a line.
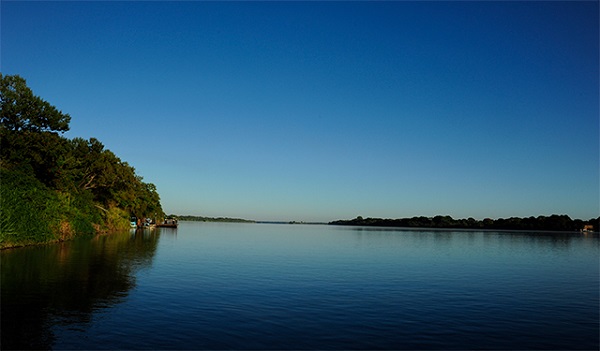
[32, 213]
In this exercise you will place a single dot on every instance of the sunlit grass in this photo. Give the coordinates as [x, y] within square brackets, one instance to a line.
[32, 213]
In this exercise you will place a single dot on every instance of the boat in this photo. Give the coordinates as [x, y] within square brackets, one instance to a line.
[138, 223]
[588, 228]
[133, 222]
[168, 223]
[148, 223]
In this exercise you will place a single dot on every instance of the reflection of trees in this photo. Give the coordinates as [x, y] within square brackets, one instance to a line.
[543, 240]
[65, 283]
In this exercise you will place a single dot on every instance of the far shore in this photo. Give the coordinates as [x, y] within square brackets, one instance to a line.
[551, 224]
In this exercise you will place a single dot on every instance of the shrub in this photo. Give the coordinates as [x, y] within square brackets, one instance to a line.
[27, 210]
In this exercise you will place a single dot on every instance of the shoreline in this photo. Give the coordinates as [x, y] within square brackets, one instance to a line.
[358, 226]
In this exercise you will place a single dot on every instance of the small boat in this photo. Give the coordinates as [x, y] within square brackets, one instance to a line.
[138, 223]
[588, 228]
[168, 223]
[148, 223]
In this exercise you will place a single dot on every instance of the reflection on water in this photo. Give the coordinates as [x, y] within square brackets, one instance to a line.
[266, 286]
[65, 283]
[512, 240]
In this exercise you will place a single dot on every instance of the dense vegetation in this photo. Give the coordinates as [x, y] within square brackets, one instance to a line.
[551, 223]
[213, 219]
[54, 188]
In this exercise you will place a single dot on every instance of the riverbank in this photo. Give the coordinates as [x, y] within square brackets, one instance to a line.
[32, 214]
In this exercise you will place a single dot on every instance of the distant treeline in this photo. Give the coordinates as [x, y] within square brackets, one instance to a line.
[212, 219]
[546, 223]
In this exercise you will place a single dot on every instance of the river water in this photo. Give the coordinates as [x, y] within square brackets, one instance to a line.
[270, 286]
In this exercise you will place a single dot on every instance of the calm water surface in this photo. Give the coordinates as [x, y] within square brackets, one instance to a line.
[266, 286]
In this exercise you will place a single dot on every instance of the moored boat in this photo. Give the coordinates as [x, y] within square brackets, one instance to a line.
[168, 223]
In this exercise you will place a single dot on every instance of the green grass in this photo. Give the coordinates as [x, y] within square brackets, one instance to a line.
[26, 210]
[31, 213]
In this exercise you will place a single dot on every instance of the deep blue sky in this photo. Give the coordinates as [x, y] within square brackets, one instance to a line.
[321, 111]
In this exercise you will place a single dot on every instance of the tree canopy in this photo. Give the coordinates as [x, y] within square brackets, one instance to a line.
[22, 110]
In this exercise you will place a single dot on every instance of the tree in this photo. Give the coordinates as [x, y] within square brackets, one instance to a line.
[21, 110]
[33, 152]
[442, 221]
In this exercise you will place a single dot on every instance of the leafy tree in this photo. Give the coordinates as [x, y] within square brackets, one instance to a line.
[442, 222]
[23, 111]
[33, 152]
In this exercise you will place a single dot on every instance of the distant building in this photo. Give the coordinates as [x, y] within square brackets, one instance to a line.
[588, 228]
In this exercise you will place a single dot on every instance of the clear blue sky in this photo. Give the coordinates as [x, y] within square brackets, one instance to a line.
[323, 111]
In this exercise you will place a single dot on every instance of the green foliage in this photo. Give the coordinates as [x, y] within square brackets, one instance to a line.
[36, 153]
[551, 223]
[27, 209]
[116, 219]
[23, 111]
[54, 188]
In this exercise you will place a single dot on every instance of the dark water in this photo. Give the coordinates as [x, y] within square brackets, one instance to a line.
[265, 286]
